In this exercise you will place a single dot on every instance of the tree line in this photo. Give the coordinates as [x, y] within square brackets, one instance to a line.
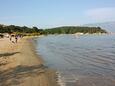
[74, 29]
[57, 30]
[13, 28]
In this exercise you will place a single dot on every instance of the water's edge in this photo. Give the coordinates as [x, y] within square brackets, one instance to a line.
[52, 74]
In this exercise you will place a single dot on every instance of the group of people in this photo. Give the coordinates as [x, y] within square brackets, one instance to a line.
[14, 38]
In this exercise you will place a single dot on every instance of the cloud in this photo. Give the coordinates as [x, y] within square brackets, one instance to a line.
[101, 14]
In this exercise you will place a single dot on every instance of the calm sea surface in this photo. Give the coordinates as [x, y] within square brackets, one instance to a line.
[87, 60]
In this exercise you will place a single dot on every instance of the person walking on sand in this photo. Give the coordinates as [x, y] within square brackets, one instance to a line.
[16, 39]
[10, 38]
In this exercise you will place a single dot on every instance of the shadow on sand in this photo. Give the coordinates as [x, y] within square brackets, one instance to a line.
[4, 56]
[15, 75]
[8, 54]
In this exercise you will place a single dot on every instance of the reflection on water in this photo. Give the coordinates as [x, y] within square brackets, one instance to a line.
[81, 61]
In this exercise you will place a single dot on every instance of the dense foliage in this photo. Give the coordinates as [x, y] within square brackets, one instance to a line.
[73, 29]
[18, 29]
[58, 30]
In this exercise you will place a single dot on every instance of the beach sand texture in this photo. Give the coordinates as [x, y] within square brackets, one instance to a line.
[20, 66]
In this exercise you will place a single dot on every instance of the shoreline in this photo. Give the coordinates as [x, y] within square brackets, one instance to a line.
[50, 73]
[21, 66]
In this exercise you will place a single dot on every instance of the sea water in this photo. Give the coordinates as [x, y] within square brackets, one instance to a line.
[87, 60]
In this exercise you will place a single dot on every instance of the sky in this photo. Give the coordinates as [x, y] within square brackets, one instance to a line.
[53, 13]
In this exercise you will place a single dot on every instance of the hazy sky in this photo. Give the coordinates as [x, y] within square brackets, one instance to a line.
[51, 13]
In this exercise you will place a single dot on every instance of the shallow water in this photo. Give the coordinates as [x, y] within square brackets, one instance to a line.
[87, 60]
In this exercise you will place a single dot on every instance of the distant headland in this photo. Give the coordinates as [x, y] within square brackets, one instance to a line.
[24, 30]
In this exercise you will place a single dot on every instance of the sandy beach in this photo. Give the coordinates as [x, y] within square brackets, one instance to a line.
[20, 66]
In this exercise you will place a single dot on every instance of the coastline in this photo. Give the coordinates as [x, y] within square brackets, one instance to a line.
[21, 66]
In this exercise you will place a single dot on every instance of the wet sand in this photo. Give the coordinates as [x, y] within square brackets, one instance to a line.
[20, 66]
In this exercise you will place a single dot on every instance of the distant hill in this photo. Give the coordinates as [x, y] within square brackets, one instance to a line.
[108, 26]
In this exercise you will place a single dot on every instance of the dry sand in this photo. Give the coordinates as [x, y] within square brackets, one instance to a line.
[20, 66]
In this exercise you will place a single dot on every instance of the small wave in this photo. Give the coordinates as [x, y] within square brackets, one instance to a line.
[60, 79]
